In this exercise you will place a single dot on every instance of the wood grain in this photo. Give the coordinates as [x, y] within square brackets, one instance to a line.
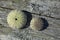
[46, 9]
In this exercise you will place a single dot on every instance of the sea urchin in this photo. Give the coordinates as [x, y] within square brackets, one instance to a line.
[16, 19]
[36, 24]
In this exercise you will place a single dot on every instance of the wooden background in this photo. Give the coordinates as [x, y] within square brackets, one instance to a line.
[46, 9]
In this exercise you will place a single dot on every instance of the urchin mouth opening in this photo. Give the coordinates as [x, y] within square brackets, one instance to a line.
[15, 18]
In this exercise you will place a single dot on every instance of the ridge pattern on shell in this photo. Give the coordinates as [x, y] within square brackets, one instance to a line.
[16, 19]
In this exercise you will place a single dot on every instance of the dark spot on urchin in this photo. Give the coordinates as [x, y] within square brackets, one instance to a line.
[15, 18]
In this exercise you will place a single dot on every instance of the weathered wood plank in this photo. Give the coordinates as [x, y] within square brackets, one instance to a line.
[48, 9]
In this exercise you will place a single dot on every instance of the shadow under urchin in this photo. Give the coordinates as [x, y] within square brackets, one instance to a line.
[45, 24]
[29, 17]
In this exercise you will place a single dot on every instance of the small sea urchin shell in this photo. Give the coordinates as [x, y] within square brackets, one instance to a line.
[36, 24]
[16, 19]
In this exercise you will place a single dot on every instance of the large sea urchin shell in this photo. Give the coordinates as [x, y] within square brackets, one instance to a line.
[36, 24]
[16, 19]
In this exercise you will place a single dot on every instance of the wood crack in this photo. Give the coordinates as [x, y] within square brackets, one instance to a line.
[6, 8]
[47, 16]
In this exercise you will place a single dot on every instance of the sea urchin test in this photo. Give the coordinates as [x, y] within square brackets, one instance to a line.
[16, 19]
[36, 24]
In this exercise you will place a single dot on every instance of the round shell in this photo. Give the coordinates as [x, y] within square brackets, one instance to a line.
[36, 24]
[16, 19]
